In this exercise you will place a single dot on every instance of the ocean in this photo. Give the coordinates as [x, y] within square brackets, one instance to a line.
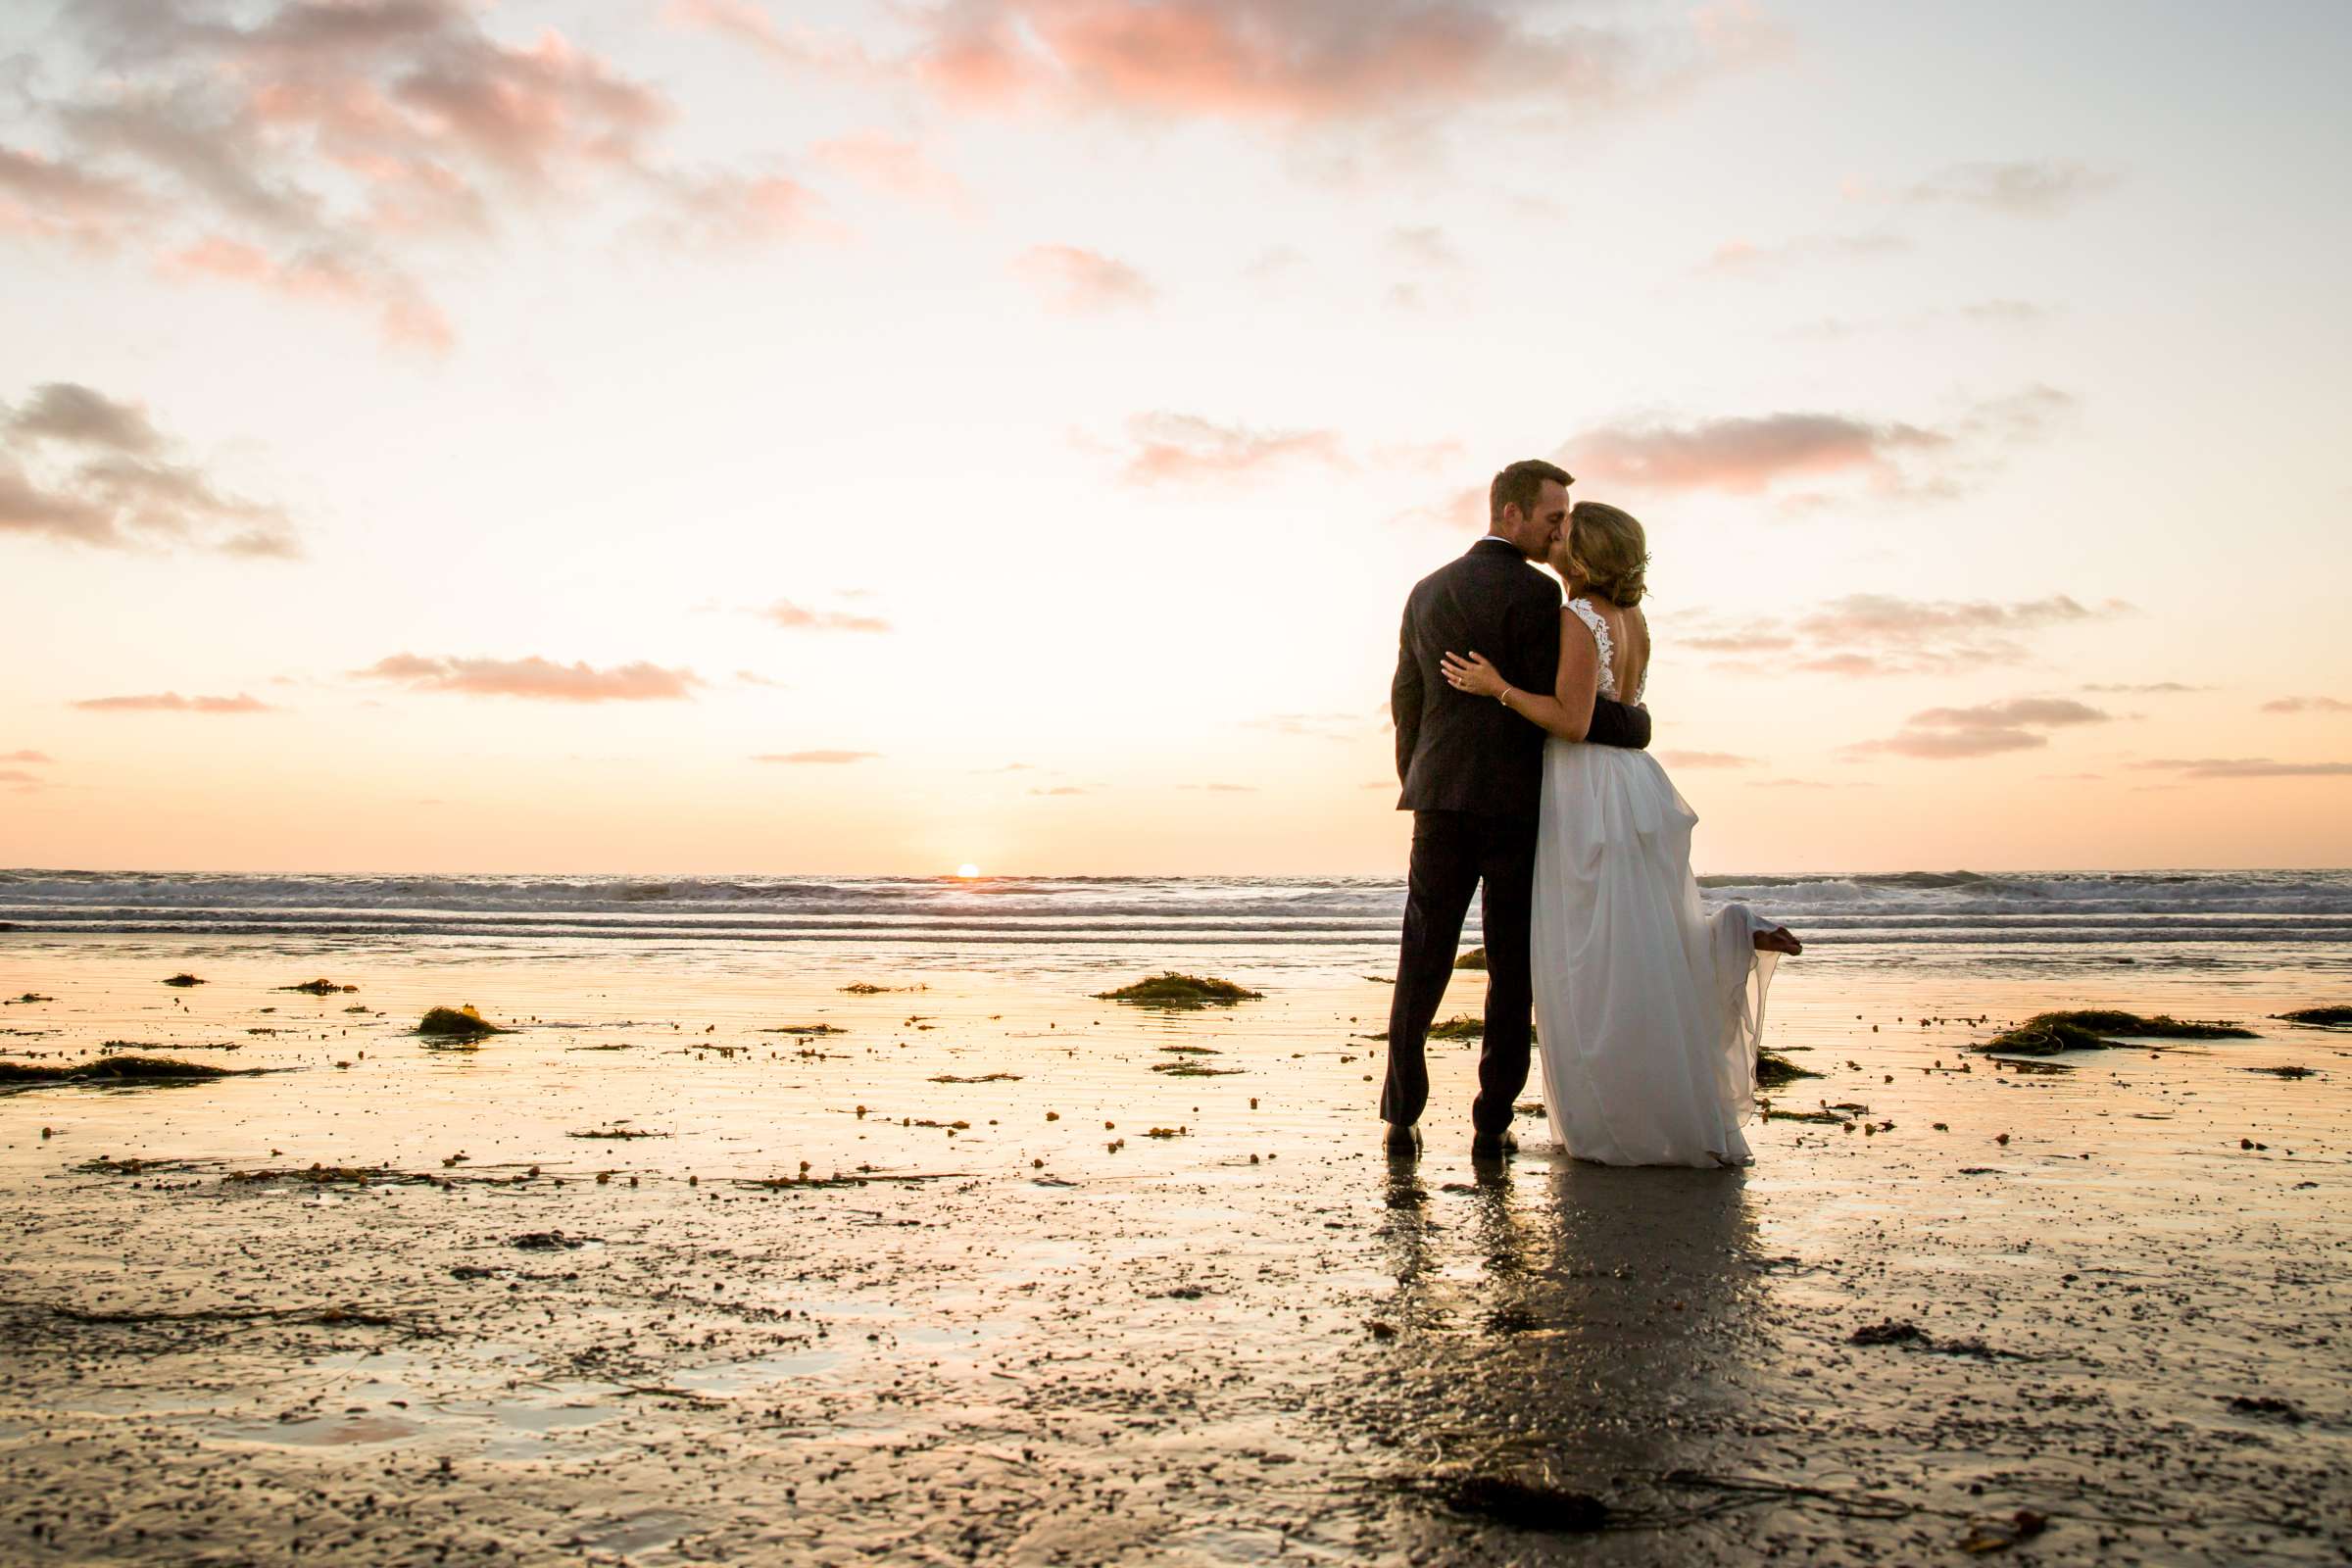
[2045, 919]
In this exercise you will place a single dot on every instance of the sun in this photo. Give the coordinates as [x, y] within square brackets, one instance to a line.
[968, 870]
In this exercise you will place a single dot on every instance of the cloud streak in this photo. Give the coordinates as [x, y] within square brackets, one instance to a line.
[2307, 704]
[536, 680]
[819, 758]
[1749, 455]
[2046, 188]
[1746, 455]
[1184, 448]
[799, 617]
[1742, 259]
[1869, 635]
[174, 703]
[1081, 282]
[2247, 767]
[1946, 734]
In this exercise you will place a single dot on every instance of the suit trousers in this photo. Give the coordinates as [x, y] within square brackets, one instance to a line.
[1454, 853]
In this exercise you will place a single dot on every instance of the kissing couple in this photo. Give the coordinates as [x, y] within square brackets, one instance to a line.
[1521, 742]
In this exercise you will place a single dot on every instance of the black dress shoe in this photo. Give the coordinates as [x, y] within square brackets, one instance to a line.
[1493, 1146]
[1403, 1140]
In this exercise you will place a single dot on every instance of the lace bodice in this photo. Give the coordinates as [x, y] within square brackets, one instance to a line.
[1599, 625]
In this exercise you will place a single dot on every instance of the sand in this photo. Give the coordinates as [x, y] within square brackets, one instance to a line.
[2121, 1335]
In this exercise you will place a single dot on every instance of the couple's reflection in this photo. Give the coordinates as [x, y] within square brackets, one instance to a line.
[1589, 1321]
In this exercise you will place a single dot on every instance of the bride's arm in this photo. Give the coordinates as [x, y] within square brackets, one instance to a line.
[1568, 710]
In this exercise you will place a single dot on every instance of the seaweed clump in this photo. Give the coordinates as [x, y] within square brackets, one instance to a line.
[457, 1023]
[1180, 991]
[1774, 1069]
[110, 1069]
[320, 988]
[183, 978]
[2162, 1026]
[2047, 1034]
[2036, 1038]
[2330, 1018]
[1463, 1028]
[1474, 958]
[1523, 1506]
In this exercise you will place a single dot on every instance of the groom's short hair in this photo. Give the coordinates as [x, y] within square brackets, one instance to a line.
[1519, 484]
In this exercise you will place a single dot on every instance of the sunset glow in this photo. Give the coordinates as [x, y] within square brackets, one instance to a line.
[714, 437]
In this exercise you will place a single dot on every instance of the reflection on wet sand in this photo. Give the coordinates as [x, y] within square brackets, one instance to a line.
[1589, 1327]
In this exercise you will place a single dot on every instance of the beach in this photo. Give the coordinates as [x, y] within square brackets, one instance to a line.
[845, 1221]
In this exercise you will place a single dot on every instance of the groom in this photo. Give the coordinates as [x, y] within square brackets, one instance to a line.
[1472, 771]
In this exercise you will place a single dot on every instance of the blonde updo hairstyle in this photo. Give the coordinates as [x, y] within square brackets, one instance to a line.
[1607, 551]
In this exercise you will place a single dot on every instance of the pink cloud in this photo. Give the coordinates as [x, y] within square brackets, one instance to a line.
[888, 164]
[173, 702]
[536, 678]
[1945, 734]
[26, 757]
[529, 111]
[1183, 448]
[1081, 281]
[1817, 459]
[2039, 710]
[1883, 634]
[797, 617]
[1947, 744]
[1744, 456]
[307, 146]
[748, 24]
[45, 198]
[1266, 61]
[1695, 759]
[734, 211]
[404, 315]
[2307, 704]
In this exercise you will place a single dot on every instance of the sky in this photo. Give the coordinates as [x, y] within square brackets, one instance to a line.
[708, 436]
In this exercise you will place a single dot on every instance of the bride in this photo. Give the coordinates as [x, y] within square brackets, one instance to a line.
[1648, 1009]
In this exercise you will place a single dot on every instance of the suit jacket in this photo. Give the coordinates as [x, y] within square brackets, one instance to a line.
[1459, 753]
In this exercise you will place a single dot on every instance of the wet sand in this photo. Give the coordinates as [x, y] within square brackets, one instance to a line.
[1007, 1323]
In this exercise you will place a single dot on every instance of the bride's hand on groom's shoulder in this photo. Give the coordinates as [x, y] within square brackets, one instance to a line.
[1474, 675]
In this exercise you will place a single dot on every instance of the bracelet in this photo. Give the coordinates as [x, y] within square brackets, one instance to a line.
[1504, 697]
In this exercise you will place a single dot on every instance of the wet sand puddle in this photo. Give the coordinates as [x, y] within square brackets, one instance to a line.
[2095, 1313]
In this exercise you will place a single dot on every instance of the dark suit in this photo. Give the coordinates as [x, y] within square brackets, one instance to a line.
[1473, 778]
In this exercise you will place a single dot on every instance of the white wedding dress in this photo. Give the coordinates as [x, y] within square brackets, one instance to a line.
[1649, 1011]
